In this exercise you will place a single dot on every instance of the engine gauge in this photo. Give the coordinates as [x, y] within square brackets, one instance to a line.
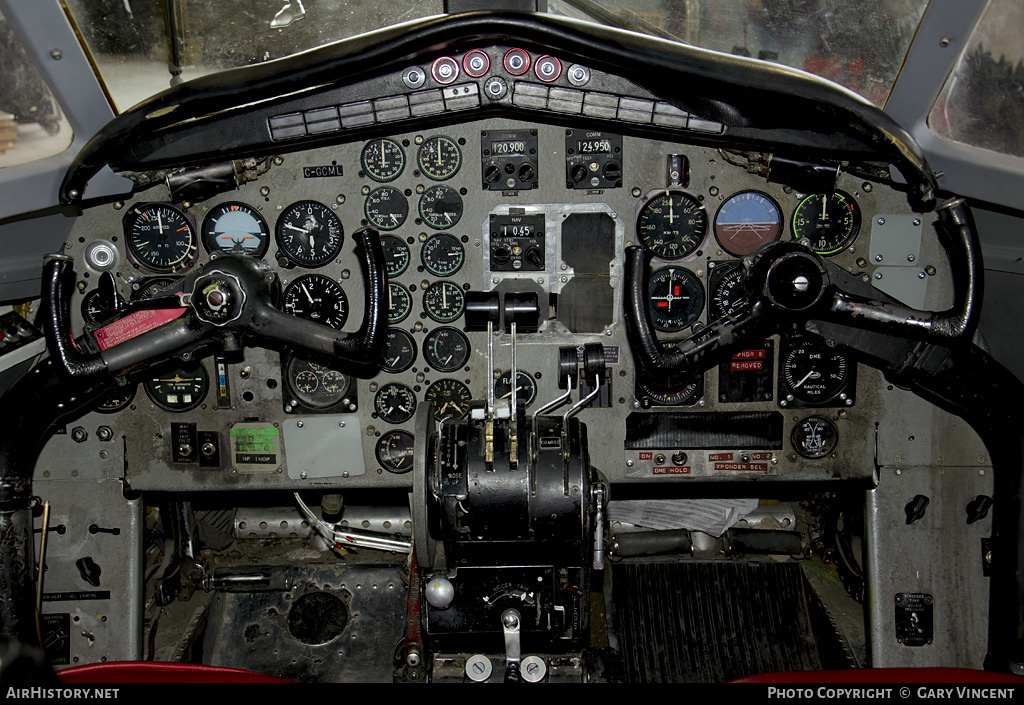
[314, 384]
[526, 387]
[815, 437]
[449, 398]
[446, 349]
[395, 451]
[399, 303]
[117, 399]
[726, 290]
[178, 389]
[829, 222]
[746, 221]
[235, 228]
[444, 301]
[439, 158]
[441, 207]
[382, 160]
[160, 237]
[396, 255]
[400, 352]
[386, 208]
[672, 223]
[317, 298]
[309, 234]
[675, 298]
[95, 309]
[153, 288]
[443, 255]
[812, 372]
[395, 403]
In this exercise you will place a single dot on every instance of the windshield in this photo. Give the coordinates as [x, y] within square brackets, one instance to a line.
[139, 49]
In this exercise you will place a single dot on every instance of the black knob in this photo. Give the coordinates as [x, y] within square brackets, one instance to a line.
[915, 508]
[492, 173]
[535, 257]
[500, 256]
[593, 361]
[612, 171]
[527, 173]
[577, 173]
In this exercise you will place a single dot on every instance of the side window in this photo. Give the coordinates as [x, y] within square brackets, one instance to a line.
[32, 125]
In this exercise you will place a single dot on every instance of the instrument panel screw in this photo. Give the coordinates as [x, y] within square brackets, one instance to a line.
[302, 475]
[564, 279]
[878, 275]
[118, 205]
[945, 41]
[629, 463]
[56, 54]
[878, 258]
[921, 275]
[881, 221]
[911, 258]
[278, 161]
[867, 187]
[917, 221]
[299, 424]
[264, 191]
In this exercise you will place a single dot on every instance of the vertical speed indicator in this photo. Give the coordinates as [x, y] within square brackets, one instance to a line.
[829, 222]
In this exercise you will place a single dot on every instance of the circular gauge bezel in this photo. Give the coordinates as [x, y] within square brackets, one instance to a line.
[216, 213]
[402, 363]
[398, 293]
[724, 278]
[678, 244]
[800, 431]
[445, 164]
[450, 388]
[396, 388]
[437, 255]
[433, 195]
[396, 255]
[388, 173]
[794, 374]
[430, 303]
[202, 376]
[761, 232]
[328, 219]
[695, 299]
[317, 298]
[183, 252]
[430, 352]
[152, 287]
[386, 208]
[92, 312]
[526, 387]
[117, 399]
[681, 395]
[828, 244]
[386, 443]
[321, 396]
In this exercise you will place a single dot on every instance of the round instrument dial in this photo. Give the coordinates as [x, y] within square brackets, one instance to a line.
[395, 403]
[395, 451]
[441, 207]
[526, 387]
[235, 228]
[829, 222]
[746, 221]
[446, 349]
[178, 389]
[160, 237]
[399, 303]
[815, 437]
[672, 223]
[449, 398]
[813, 372]
[444, 301]
[396, 255]
[681, 394]
[386, 208]
[315, 384]
[309, 234]
[152, 288]
[95, 309]
[443, 255]
[726, 290]
[317, 298]
[382, 160]
[439, 158]
[117, 399]
[400, 352]
[675, 298]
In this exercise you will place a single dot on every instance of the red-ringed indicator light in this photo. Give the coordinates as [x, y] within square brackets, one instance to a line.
[445, 70]
[516, 61]
[476, 63]
[548, 68]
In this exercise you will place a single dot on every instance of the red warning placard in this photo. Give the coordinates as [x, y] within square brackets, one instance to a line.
[135, 324]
